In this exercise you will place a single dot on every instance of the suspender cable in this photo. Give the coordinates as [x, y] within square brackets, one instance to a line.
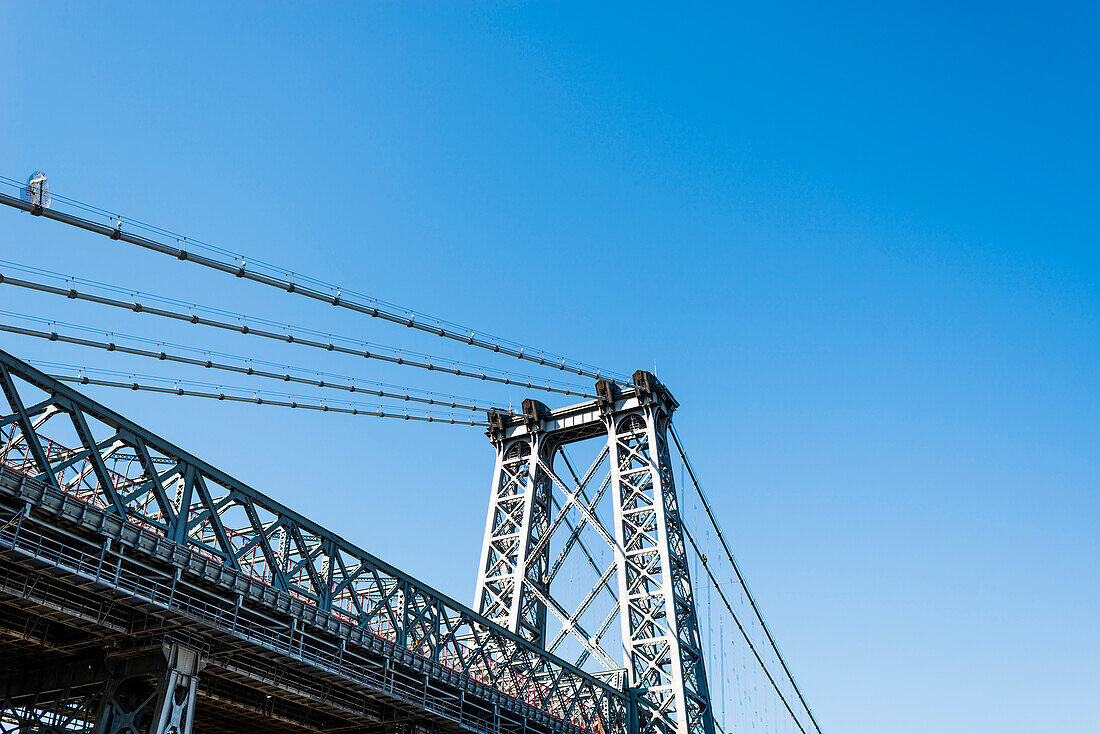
[744, 633]
[401, 357]
[260, 272]
[740, 577]
[284, 376]
[282, 400]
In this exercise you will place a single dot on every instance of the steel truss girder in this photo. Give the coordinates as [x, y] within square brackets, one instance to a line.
[662, 649]
[201, 521]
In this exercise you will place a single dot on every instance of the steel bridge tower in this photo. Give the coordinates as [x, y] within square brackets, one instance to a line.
[661, 646]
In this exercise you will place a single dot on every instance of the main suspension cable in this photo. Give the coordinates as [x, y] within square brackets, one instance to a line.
[236, 264]
[364, 349]
[324, 381]
[740, 577]
[278, 399]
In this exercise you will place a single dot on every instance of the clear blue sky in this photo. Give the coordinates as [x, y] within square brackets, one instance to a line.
[859, 244]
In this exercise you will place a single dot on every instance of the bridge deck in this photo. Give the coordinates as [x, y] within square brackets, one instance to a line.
[301, 629]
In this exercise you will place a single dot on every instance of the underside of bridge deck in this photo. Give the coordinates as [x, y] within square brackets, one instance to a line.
[58, 664]
[73, 647]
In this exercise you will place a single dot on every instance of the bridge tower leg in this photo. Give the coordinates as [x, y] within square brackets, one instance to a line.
[131, 706]
[511, 582]
[662, 648]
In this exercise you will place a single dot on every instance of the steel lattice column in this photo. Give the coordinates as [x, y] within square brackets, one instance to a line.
[660, 629]
[510, 578]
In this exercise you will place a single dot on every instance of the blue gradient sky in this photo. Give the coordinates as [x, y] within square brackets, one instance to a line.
[859, 244]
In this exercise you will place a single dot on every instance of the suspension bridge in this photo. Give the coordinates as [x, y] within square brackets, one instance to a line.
[144, 590]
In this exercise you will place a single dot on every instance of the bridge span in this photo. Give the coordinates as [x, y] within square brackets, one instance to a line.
[141, 587]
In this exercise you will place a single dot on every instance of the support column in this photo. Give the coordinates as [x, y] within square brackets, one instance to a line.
[518, 517]
[132, 704]
[662, 650]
